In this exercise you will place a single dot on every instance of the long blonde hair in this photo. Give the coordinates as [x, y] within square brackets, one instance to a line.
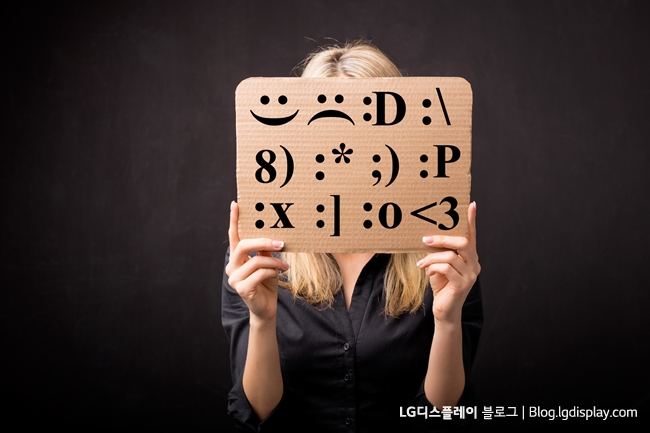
[316, 277]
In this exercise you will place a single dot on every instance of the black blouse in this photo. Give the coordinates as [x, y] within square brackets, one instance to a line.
[346, 371]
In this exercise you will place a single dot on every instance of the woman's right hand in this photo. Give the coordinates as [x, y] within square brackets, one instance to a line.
[254, 278]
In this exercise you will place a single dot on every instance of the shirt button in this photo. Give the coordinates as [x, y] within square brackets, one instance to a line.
[346, 377]
[346, 347]
[348, 421]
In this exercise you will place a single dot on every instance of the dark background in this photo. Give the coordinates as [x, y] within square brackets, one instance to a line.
[118, 167]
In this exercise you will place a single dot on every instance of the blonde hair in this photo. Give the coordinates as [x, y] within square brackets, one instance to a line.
[357, 60]
[316, 277]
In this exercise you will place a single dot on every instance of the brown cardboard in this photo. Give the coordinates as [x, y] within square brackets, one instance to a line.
[287, 126]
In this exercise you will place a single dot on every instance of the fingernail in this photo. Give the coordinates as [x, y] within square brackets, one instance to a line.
[285, 266]
[232, 205]
[278, 244]
[475, 207]
[428, 240]
[419, 264]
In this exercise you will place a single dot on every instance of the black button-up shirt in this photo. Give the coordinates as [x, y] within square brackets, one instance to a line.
[347, 371]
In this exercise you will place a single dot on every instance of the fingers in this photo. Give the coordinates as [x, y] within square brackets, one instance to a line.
[442, 260]
[254, 271]
[233, 230]
[460, 247]
[259, 262]
[471, 224]
[457, 243]
[452, 276]
[465, 247]
[247, 246]
[241, 254]
[448, 268]
[438, 281]
[240, 249]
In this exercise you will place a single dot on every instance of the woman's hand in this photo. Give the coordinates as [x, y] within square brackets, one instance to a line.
[256, 281]
[452, 273]
[254, 278]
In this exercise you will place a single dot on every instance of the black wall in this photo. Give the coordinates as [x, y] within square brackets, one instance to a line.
[118, 167]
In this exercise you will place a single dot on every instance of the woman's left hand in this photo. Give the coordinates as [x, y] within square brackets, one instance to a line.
[452, 273]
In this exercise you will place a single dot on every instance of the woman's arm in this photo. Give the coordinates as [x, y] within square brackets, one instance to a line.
[256, 281]
[452, 274]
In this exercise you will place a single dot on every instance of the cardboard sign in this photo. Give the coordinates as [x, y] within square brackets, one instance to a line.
[353, 165]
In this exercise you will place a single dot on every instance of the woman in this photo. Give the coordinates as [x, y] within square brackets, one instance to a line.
[348, 343]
